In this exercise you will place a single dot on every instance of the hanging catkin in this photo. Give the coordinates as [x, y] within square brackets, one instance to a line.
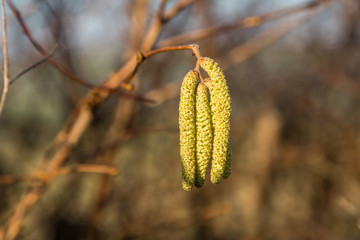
[220, 103]
[187, 129]
[203, 134]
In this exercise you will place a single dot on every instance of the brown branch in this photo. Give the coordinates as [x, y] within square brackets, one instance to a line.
[176, 9]
[123, 114]
[248, 22]
[6, 180]
[41, 50]
[75, 126]
[81, 168]
[84, 118]
[61, 68]
[6, 64]
[159, 21]
[31, 67]
[88, 168]
[141, 57]
[265, 38]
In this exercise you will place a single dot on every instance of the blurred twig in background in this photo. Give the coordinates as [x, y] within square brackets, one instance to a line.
[38, 63]
[56, 64]
[6, 64]
[271, 34]
[248, 22]
[83, 168]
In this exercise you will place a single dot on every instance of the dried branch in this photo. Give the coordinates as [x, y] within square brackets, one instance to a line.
[77, 123]
[61, 68]
[267, 37]
[159, 21]
[31, 67]
[5, 180]
[6, 64]
[176, 9]
[41, 50]
[80, 168]
[248, 22]
[141, 57]
[88, 168]
[67, 139]
[122, 117]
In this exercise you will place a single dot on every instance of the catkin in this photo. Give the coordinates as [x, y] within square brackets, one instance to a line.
[187, 129]
[220, 103]
[203, 134]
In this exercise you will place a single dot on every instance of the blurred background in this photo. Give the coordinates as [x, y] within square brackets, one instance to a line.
[295, 87]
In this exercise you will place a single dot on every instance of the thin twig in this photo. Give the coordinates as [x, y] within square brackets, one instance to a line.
[31, 67]
[88, 168]
[41, 50]
[194, 47]
[80, 168]
[6, 64]
[248, 22]
[9, 179]
[141, 57]
[176, 9]
[265, 38]
[60, 67]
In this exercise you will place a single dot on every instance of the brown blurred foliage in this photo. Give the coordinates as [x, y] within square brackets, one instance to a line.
[294, 77]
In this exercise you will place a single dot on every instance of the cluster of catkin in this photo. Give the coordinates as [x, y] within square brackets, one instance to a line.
[204, 126]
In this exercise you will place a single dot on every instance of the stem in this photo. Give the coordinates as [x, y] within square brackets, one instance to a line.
[12, 80]
[194, 47]
[6, 66]
[80, 168]
[248, 22]
[141, 57]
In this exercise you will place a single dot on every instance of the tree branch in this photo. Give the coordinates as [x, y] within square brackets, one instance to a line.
[61, 68]
[80, 168]
[267, 37]
[31, 67]
[141, 57]
[6, 64]
[248, 22]
[77, 123]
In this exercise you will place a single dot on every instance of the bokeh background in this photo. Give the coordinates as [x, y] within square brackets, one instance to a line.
[294, 126]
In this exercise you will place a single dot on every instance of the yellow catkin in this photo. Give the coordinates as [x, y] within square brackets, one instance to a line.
[220, 103]
[187, 129]
[203, 134]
